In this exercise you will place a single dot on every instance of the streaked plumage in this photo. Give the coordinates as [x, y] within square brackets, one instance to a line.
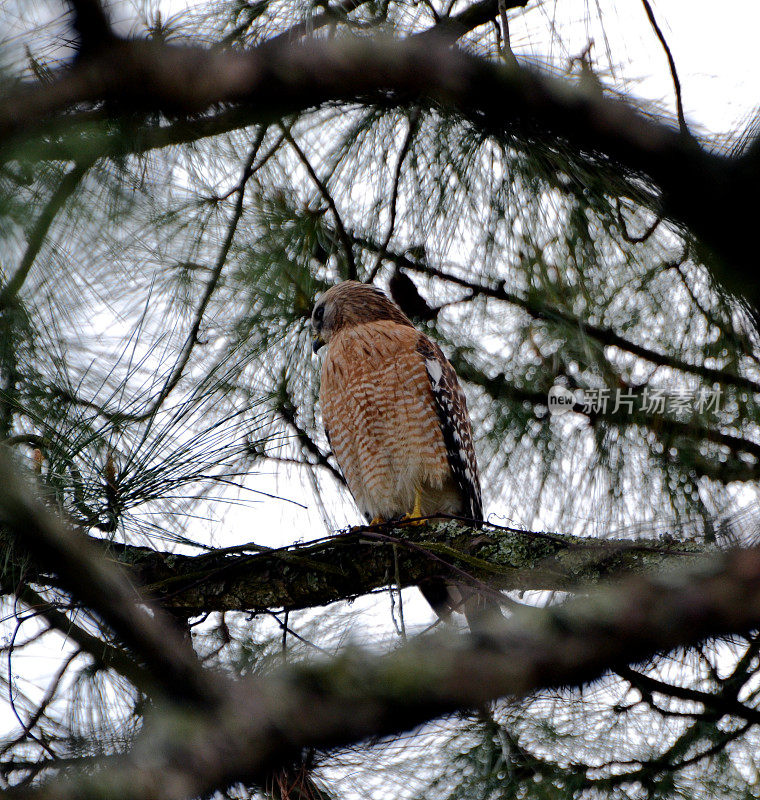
[394, 413]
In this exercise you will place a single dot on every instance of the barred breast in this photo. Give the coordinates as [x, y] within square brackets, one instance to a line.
[379, 412]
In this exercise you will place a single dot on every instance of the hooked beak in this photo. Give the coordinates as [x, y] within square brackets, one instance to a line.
[317, 342]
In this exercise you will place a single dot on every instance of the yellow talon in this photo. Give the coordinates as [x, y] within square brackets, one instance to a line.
[413, 518]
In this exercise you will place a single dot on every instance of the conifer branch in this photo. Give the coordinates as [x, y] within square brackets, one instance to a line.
[539, 310]
[348, 253]
[39, 230]
[193, 336]
[264, 723]
[365, 559]
[101, 586]
[705, 191]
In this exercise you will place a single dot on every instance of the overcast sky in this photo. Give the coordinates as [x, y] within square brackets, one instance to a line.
[715, 49]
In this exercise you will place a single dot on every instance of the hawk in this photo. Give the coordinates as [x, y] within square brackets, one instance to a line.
[395, 416]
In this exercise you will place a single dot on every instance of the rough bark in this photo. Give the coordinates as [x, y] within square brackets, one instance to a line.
[366, 559]
[265, 722]
[207, 731]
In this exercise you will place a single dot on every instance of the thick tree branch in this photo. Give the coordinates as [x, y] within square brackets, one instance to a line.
[265, 722]
[100, 585]
[363, 560]
[92, 26]
[705, 191]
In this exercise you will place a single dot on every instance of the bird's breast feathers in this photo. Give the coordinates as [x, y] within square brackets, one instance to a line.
[378, 405]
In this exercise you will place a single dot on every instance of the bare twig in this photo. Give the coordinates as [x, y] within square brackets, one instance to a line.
[42, 706]
[26, 727]
[672, 64]
[307, 444]
[192, 338]
[105, 654]
[329, 16]
[624, 228]
[506, 45]
[414, 119]
[473, 16]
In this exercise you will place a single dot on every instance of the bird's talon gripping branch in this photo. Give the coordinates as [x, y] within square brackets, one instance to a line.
[414, 516]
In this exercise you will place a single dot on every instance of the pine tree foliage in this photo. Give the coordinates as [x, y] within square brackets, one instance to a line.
[158, 270]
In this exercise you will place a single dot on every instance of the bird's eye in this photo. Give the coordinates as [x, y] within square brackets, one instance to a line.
[319, 313]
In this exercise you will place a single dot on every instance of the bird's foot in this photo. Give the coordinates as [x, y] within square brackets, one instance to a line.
[412, 519]
[414, 516]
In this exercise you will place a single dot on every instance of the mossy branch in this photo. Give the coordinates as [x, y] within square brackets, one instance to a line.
[265, 722]
[360, 561]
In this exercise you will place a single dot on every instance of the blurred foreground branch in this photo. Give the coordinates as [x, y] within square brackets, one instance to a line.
[705, 191]
[243, 730]
[168, 661]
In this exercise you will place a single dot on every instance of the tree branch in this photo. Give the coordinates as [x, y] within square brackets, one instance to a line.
[475, 15]
[671, 64]
[92, 26]
[329, 16]
[665, 428]
[413, 123]
[646, 684]
[266, 722]
[539, 310]
[348, 252]
[105, 654]
[703, 190]
[362, 560]
[101, 586]
[39, 230]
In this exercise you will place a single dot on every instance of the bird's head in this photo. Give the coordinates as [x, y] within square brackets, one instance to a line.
[347, 304]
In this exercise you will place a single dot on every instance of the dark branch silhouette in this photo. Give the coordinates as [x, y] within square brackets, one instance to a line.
[705, 191]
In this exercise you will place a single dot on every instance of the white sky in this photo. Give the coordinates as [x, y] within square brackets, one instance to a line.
[716, 52]
[714, 47]
[716, 55]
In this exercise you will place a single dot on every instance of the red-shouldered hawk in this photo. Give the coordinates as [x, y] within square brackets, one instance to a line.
[394, 413]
